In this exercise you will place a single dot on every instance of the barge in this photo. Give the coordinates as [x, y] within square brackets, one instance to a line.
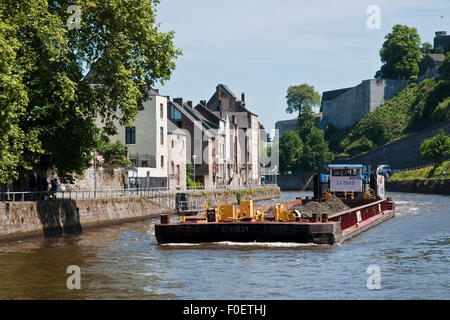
[361, 192]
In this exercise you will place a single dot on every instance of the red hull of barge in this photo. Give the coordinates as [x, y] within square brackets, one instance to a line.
[339, 227]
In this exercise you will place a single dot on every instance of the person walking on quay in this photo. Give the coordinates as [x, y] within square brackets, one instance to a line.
[132, 183]
[56, 187]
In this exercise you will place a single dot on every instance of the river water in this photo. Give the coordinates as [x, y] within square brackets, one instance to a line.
[412, 252]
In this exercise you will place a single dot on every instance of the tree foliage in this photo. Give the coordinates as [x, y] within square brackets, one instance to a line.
[304, 149]
[302, 98]
[436, 148]
[316, 154]
[14, 141]
[401, 54]
[113, 153]
[49, 96]
[291, 149]
[426, 48]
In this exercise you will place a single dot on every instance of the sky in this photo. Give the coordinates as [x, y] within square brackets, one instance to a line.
[262, 47]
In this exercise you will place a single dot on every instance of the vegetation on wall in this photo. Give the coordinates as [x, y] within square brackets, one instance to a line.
[440, 171]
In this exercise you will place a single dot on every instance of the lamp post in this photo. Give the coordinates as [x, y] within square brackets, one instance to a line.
[193, 164]
[95, 173]
[276, 173]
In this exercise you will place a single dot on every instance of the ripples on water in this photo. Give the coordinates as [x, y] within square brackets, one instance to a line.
[125, 262]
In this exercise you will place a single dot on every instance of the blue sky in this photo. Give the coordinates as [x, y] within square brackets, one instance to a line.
[262, 47]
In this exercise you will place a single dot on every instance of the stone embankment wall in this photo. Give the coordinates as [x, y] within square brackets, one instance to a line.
[69, 216]
[58, 217]
[432, 186]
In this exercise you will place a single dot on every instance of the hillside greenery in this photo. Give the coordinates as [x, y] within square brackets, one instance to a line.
[441, 171]
[417, 106]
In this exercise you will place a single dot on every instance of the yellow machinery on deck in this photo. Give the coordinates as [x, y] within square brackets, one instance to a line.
[284, 215]
[230, 213]
[246, 212]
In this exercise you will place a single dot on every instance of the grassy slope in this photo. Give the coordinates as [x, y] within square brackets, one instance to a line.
[417, 106]
[424, 173]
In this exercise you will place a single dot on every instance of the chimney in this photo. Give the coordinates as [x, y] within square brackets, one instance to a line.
[178, 101]
[203, 102]
[243, 97]
[219, 95]
[189, 103]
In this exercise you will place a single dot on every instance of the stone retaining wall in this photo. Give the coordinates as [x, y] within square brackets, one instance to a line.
[59, 217]
[432, 186]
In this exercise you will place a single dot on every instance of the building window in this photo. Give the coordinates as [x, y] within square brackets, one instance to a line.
[173, 144]
[161, 110]
[162, 161]
[130, 135]
[173, 166]
[145, 163]
[175, 114]
[161, 133]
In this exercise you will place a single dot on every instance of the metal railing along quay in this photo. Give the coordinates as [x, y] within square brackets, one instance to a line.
[154, 193]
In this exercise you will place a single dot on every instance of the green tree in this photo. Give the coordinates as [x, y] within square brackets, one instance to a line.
[400, 54]
[290, 148]
[436, 148]
[190, 176]
[426, 48]
[316, 154]
[113, 153]
[118, 41]
[13, 100]
[302, 99]
[444, 70]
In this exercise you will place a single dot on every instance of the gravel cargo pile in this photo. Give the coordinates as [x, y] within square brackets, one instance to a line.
[330, 206]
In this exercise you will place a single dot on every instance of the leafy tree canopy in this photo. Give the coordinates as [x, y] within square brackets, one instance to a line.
[291, 148]
[436, 148]
[400, 54]
[316, 154]
[426, 48]
[42, 74]
[302, 98]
